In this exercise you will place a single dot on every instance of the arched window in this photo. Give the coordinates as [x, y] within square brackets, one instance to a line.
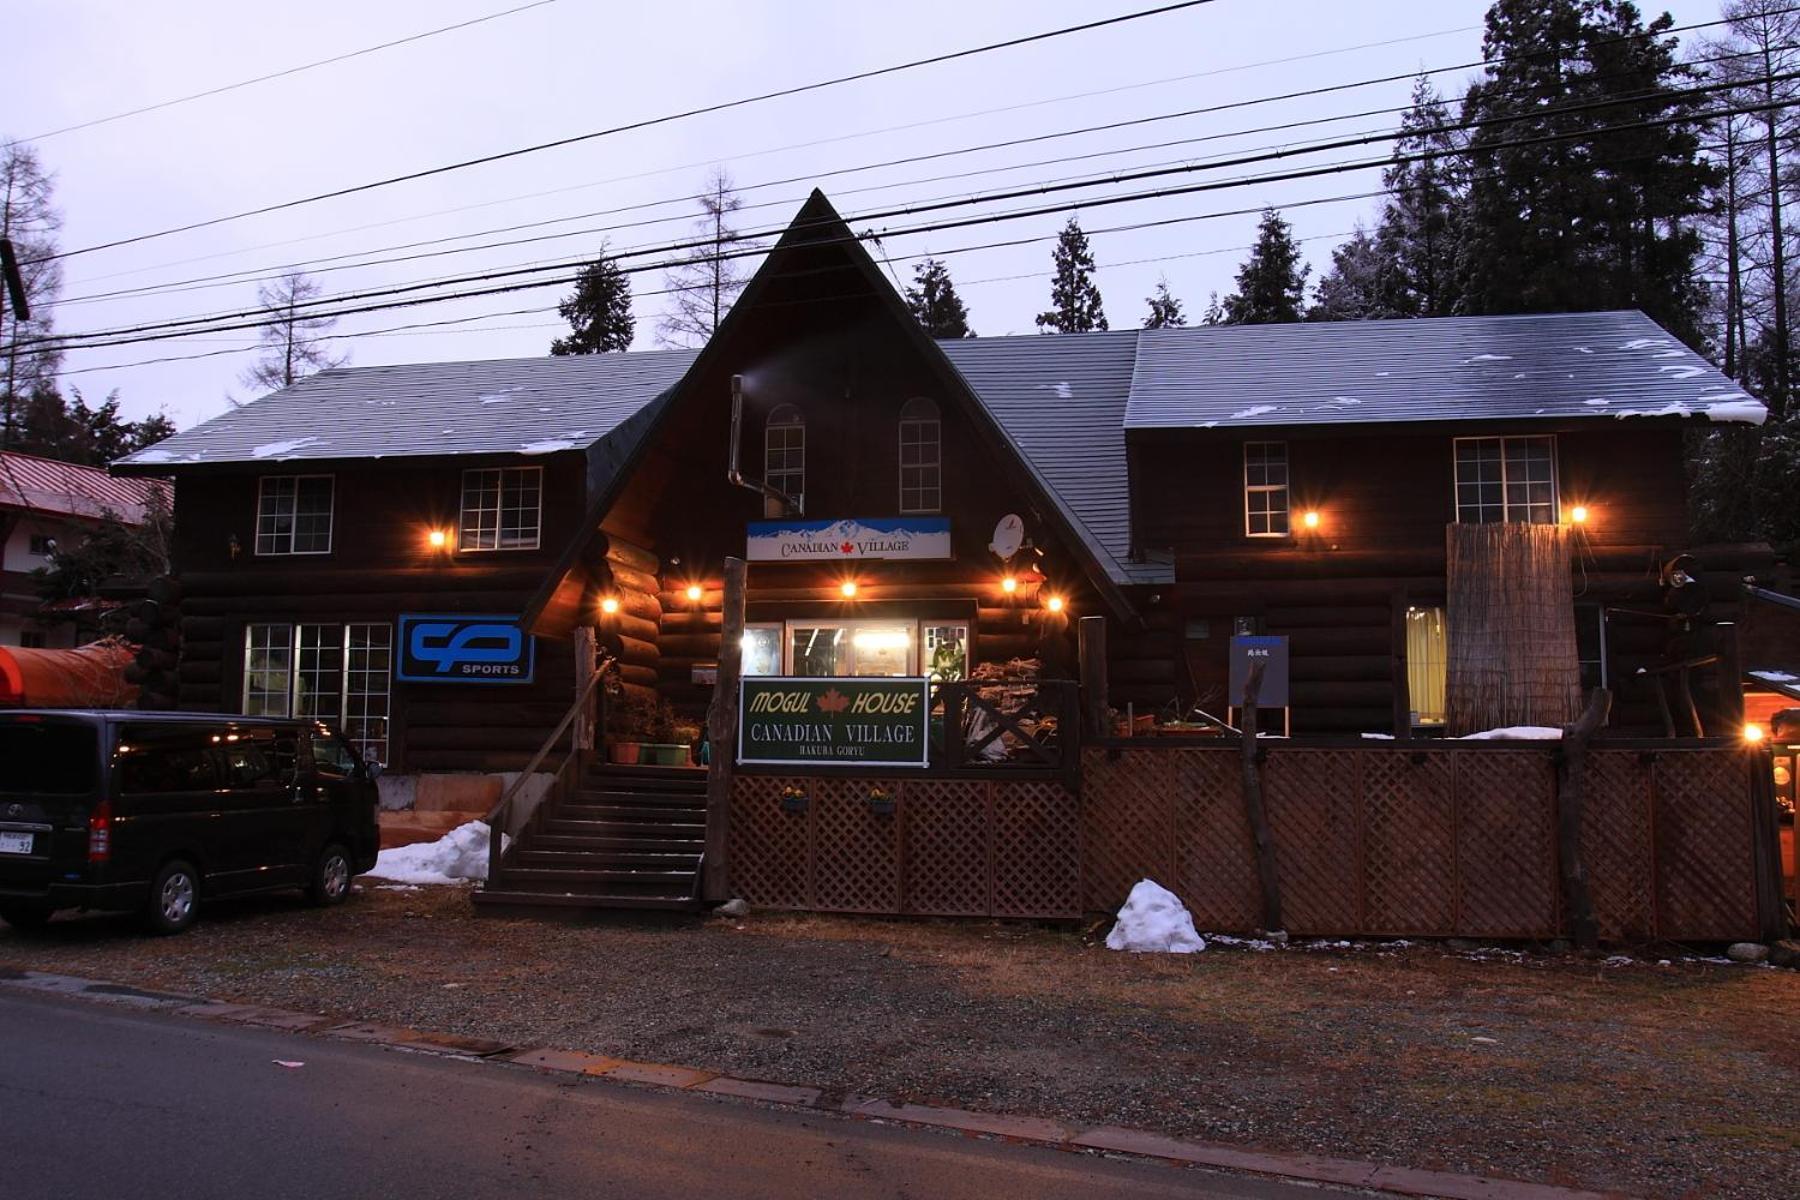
[921, 457]
[784, 452]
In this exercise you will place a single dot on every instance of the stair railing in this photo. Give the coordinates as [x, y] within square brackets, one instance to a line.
[567, 773]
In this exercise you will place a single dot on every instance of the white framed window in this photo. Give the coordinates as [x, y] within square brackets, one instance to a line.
[784, 452]
[1265, 489]
[1506, 479]
[828, 646]
[293, 514]
[336, 673]
[502, 509]
[921, 457]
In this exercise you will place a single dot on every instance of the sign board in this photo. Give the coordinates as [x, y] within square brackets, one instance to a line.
[847, 721]
[1272, 652]
[459, 648]
[848, 539]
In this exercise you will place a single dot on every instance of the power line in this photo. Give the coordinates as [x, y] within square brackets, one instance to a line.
[646, 123]
[323, 62]
[1045, 189]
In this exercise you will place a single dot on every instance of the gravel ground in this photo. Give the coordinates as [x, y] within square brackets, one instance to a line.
[1665, 1080]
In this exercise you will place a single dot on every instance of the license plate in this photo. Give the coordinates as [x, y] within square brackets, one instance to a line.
[15, 843]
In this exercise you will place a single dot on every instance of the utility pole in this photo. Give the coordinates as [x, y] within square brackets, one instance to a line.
[21, 311]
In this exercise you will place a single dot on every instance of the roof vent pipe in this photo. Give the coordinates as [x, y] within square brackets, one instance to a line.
[733, 474]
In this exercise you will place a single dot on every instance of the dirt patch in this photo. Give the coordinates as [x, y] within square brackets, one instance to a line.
[1674, 1080]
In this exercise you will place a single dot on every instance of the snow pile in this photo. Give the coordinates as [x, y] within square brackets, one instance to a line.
[461, 854]
[1776, 676]
[1516, 733]
[1154, 921]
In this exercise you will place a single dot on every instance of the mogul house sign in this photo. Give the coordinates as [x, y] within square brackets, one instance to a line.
[849, 538]
[841, 720]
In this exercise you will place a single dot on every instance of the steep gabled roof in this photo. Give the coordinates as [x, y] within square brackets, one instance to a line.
[44, 485]
[1603, 365]
[498, 406]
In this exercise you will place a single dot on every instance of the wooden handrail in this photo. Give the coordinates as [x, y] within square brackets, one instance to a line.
[496, 817]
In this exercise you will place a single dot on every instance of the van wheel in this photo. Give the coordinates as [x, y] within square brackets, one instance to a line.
[26, 918]
[174, 898]
[331, 877]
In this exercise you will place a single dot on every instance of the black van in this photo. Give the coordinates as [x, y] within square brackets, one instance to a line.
[154, 812]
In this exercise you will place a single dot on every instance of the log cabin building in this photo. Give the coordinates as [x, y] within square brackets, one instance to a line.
[1456, 523]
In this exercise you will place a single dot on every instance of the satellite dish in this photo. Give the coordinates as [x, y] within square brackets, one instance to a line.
[1009, 535]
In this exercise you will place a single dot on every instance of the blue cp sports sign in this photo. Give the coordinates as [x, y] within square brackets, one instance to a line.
[458, 648]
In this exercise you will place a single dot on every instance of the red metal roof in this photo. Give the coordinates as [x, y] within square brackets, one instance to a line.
[64, 489]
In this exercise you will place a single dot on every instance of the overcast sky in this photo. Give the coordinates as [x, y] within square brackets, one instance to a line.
[577, 65]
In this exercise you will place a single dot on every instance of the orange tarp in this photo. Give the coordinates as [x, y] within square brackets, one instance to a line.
[85, 677]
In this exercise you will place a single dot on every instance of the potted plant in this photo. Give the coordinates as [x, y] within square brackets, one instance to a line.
[881, 801]
[630, 715]
[793, 798]
[662, 744]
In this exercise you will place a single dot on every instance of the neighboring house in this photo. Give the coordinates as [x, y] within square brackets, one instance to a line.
[1326, 482]
[45, 504]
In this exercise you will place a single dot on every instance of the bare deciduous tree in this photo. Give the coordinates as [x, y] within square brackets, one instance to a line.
[293, 339]
[706, 282]
[29, 217]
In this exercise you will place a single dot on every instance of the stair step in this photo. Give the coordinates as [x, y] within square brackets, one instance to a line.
[590, 843]
[514, 898]
[616, 795]
[692, 777]
[631, 812]
[645, 829]
[686, 860]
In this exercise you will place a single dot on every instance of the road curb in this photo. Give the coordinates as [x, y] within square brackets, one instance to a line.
[1404, 1181]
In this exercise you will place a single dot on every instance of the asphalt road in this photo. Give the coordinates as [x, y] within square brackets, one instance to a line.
[103, 1102]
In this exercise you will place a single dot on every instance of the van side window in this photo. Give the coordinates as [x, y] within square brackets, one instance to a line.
[259, 759]
[332, 757]
[154, 759]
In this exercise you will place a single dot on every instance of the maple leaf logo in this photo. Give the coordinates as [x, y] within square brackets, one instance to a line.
[848, 547]
[833, 702]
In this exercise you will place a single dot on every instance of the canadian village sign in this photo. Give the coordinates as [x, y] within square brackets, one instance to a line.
[834, 721]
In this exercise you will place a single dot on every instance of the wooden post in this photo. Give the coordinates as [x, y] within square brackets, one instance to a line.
[1090, 633]
[585, 666]
[721, 734]
[1771, 909]
[1402, 689]
[1571, 801]
[1250, 754]
[1731, 680]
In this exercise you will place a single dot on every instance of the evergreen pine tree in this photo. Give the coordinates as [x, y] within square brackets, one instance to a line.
[598, 311]
[1165, 309]
[1271, 285]
[1596, 218]
[934, 303]
[1215, 311]
[1416, 238]
[1355, 286]
[1074, 298]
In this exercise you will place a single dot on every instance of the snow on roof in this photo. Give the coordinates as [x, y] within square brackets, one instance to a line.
[63, 489]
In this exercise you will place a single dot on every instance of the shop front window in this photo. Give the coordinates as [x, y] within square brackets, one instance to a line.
[946, 652]
[871, 646]
[762, 650]
[336, 673]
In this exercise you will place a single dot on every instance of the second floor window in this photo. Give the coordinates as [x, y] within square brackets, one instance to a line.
[1506, 479]
[502, 508]
[1265, 489]
[784, 452]
[921, 458]
[293, 514]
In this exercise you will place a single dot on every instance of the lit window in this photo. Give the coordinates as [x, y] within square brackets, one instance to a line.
[1590, 645]
[1427, 664]
[293, 514]
[1265, 489]
[921, 458]
[1506, 479]
[337, 673]
[501, 508]
[784, 452]
[762, 650]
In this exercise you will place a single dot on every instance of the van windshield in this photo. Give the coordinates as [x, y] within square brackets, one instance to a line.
[57, 758]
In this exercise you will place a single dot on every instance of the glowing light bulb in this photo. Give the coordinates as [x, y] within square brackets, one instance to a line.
[1009, 585]
[1578, 514]
[1310, 520]
[609, 605]
[437, 538]
[1753, 734]
[848, 589]
[1054, 604]
[694, 592]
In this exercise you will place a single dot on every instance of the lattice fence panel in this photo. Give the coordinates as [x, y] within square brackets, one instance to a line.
[1705, 861]
[948, 848]
[856, 850]
[1616, 847]
[1215, 855]
[1128, 824]
[1506, 844]
[1037, 850]
[768, 846]
[1409, 842]
[1312, 803]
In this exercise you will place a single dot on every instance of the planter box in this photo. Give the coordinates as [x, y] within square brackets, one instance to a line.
[625, 754]
[664, 754]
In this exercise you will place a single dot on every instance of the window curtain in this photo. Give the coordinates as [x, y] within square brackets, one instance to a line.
[1426, 661]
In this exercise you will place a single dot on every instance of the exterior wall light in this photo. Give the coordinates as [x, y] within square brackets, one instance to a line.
[438, 539]
[1579, 514]
[1009, 584]
[694, 592]
[609, 605]
[848, 589]
[1310, 519]
[1753, 734]
[1054, 604]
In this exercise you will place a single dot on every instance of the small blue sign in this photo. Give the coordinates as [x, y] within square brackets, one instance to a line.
[459, 648]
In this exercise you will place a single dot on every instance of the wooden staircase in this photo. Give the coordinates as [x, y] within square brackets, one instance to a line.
[626, 837]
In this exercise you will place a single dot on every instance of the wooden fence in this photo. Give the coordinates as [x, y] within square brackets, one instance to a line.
[1393, 839]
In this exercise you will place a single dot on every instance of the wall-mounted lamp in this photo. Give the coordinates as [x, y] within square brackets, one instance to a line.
[1009, 584]
[609, 605]
[694, 592]
[1054, 604]
[847, 589]
[1310, 518]
[437, 539]
[1579, 514]
[1753, 734]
